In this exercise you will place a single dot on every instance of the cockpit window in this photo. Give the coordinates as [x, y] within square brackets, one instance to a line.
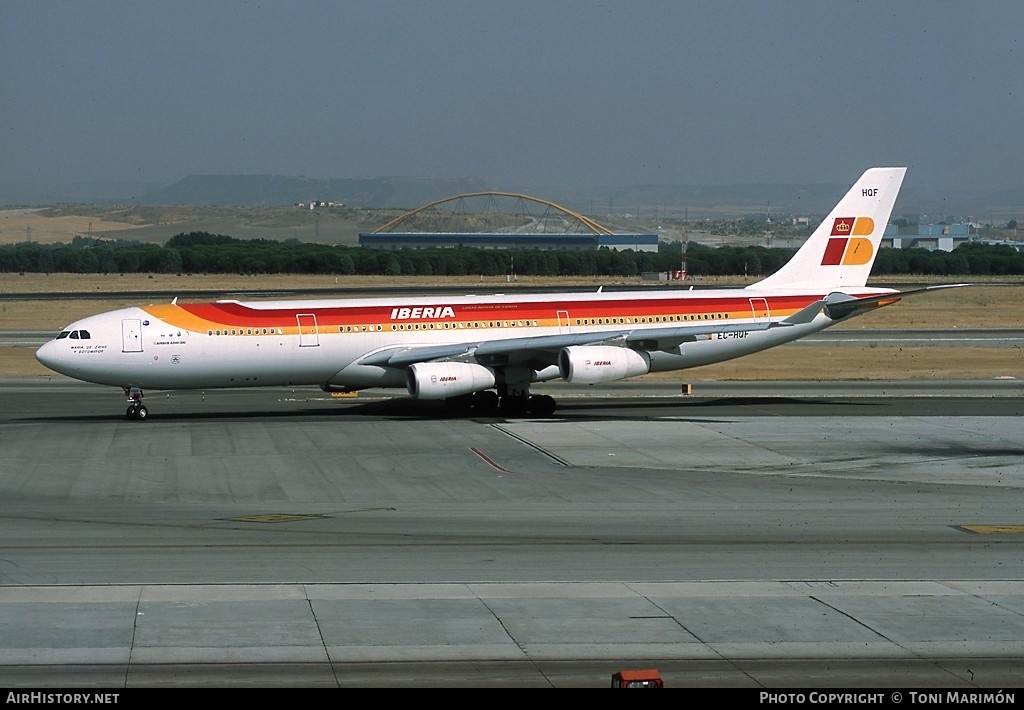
[63, 334]
[84, 334]
[74, 335]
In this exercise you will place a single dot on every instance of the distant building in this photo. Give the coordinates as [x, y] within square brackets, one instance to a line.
[1016, 244]
[315, 204]
[934, 237]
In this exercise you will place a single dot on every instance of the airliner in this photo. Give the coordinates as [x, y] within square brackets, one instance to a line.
[484, 352]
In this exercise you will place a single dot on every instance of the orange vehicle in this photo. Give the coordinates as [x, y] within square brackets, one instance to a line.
[647, 678]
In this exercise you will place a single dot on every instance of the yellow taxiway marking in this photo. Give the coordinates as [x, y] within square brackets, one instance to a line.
[993, 529]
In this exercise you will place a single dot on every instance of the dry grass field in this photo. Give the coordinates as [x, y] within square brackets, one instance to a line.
[157, 224]
[982, 306]
[24, 225]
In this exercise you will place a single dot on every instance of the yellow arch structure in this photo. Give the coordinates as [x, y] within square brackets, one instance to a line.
[584, 220]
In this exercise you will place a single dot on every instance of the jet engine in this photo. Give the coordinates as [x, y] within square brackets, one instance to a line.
[587, 364]
[438, 380]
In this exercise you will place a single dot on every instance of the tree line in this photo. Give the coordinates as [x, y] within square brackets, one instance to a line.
[205, 253]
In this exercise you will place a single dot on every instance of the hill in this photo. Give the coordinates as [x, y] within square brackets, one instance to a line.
[656, 201]
[278, 190]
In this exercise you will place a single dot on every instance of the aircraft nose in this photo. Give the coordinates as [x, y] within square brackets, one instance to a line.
[47, 355]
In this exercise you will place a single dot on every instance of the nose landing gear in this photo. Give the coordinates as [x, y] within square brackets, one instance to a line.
[136, 409]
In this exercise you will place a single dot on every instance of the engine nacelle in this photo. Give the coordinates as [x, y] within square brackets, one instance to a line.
[438, 380]
[587, 364]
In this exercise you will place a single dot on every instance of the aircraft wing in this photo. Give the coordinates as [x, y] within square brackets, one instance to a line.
[543, 350]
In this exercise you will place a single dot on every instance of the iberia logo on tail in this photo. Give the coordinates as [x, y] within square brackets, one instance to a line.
[847, 245]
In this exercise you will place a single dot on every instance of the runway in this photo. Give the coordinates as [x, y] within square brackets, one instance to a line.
[748, 535]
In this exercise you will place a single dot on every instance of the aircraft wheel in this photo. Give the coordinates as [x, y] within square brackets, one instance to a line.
[485, 400]
[462, 403]
[141, 413]
[513, 405]
[542, 405]
[130, 412]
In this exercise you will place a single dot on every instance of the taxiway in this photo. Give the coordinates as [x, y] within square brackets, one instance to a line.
[745, 535]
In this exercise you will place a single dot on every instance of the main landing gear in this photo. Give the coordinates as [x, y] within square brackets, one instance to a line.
[136, 409]
[489, 402]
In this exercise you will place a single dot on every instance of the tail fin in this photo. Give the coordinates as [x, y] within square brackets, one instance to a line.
[842, 249]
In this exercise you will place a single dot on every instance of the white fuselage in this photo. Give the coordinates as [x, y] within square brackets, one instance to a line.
[339, 343]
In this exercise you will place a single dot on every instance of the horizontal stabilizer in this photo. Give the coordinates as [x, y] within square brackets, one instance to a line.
[840, 305]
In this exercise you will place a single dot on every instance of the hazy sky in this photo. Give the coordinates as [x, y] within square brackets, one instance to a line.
[537, 92]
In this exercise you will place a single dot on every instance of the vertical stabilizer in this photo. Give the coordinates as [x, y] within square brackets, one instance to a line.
[842, 249]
